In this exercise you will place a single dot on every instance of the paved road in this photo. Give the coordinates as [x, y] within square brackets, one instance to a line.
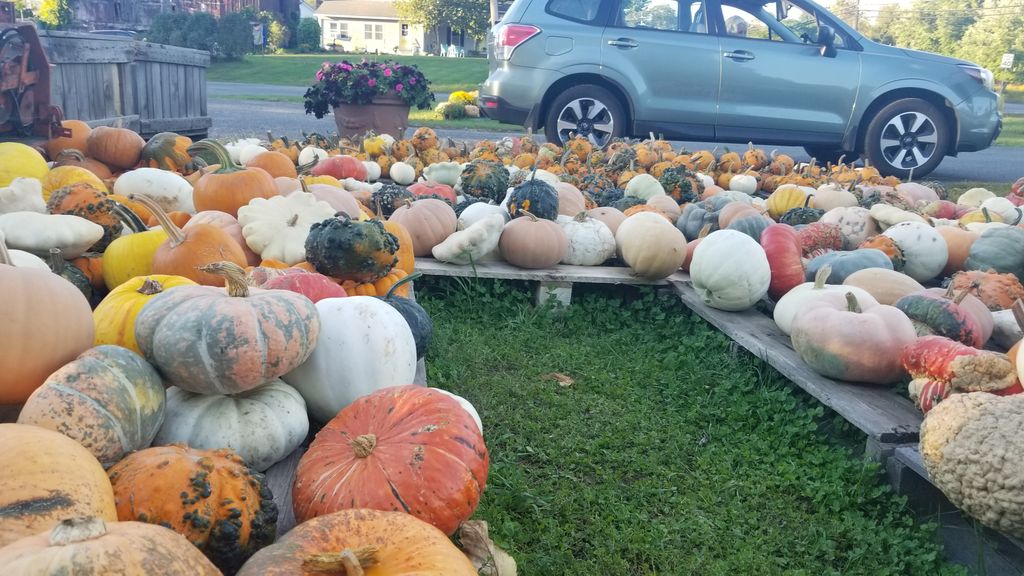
[238, 118]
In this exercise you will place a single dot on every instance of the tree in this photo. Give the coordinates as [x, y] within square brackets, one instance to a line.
[165, 26]
[55, 13]
[995, 33]
[471, 16]
[882, 29]
[661, 17]
[308, 35]
[234, 36]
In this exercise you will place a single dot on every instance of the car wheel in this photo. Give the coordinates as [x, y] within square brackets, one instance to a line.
[825, 155]
[586, 110]
[908, 137]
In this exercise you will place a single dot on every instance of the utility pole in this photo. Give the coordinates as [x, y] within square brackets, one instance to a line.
[494, 12]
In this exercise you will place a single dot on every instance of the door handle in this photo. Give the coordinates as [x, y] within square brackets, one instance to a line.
[623, 43]
[739, 55]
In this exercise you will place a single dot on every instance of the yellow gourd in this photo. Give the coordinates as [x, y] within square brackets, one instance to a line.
[63, 176]
[115, 315]
[785, 198]
[130, 256]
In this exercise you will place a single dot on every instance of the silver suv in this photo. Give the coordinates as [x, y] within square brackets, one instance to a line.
[775, 72]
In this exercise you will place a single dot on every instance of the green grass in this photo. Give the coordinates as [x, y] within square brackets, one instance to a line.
[669, 454]
[416, 117]
[1013, 132]
[445, 74]
[955, 189]
[1014, 93]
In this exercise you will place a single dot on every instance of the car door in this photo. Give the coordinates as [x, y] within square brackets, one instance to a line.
[660, 52]
[776, 84]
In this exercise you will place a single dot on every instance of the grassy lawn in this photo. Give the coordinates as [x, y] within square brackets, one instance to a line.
[1013, 132]
[1014, 93]
[667, 454]
[445, 74]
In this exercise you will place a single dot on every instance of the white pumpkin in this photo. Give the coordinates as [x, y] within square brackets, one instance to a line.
[651, 245]
[541, 174]
[735, 196]
[364, 345]
[474, 243]
[443, 173]
[591, 241]
[248, 152]
[975, 197]
[467, 406]
[797, 299]
[925, 251]
[478, 211]
[705, 179]
[372, 171]
[22, 195]
[1006, 331]
[37, 233]
[743, 183]
[340, 199]
[234, 148]
[829, 196]
[855, 224]
[311, 153]
[730, 271]
[918, 194]
[1006, 210]
[402, 173]
[276, 228]
[353, 185]
[643, 186]
[172, 192]
[980, 227]
[263, 425]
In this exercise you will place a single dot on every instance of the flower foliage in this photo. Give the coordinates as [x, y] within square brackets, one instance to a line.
[347, 83]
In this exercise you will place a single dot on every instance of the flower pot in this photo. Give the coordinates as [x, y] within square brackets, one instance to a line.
[386, 115]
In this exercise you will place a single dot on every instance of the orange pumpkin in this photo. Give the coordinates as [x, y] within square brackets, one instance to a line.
[71, 157]
[179, 218]
[429, 221]
[227, 223]
[231, 186]
[136, 207]
[77, 141]
[47, 477]
[345, 542]
[118, 148]
[380, 286]
[275, 163]
[208, 496]
[185, 251]
[403, 448]
[958, 243]
[47, 323]
[92, 546]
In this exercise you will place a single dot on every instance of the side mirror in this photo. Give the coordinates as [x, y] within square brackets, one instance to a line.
[827, 41]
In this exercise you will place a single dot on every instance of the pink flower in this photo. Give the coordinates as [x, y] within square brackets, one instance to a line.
[387, 71]
[412, 80]
[398, 87]
[371, 82]
[346, 67]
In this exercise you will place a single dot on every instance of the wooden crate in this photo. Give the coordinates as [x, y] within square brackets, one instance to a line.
[115, 81]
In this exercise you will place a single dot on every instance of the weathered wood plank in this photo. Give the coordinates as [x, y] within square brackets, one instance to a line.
[176, 124]
[131, 122]
[280, 478]
[144, 51]
[878, 412]
[560, 273]
[92, 50]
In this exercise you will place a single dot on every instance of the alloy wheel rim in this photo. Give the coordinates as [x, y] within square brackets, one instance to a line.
[586, 117]
[909, 140]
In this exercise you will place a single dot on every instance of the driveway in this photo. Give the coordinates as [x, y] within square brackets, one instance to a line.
[234, 118]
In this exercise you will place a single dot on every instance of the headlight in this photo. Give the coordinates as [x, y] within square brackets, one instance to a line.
[982, 75]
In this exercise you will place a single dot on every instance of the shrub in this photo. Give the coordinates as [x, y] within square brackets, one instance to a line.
[309, 35]
[451, 110]
[461, 97]
[234, 37]
[201, 33]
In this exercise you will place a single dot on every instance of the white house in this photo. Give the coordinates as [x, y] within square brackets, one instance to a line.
[307, 9]
[374, 26]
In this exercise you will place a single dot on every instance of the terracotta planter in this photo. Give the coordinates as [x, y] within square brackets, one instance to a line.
[386, 115]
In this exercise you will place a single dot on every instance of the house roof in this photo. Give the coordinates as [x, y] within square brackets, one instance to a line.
[358, 9]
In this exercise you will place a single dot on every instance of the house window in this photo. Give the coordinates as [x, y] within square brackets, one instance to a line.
[334, 26]
[374, 31]
[405, 29]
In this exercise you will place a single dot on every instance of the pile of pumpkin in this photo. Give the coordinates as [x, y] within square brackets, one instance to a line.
[145, 424]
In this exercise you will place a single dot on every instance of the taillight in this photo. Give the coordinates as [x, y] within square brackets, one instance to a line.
[509, 36]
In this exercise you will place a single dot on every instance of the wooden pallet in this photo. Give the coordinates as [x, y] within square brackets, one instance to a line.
[553, 282]
[887, 418]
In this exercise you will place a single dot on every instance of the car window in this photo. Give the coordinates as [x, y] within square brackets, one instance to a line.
[671, 15]
[580, 10]
[760, 20]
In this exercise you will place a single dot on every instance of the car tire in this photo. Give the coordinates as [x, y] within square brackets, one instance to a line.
[592, 111]
[827, 155]
[908, 137]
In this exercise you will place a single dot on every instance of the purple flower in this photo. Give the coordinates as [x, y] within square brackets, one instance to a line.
[412, 80]
[398, 87]
[372, 82]
[387, 71]
[345, 66]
